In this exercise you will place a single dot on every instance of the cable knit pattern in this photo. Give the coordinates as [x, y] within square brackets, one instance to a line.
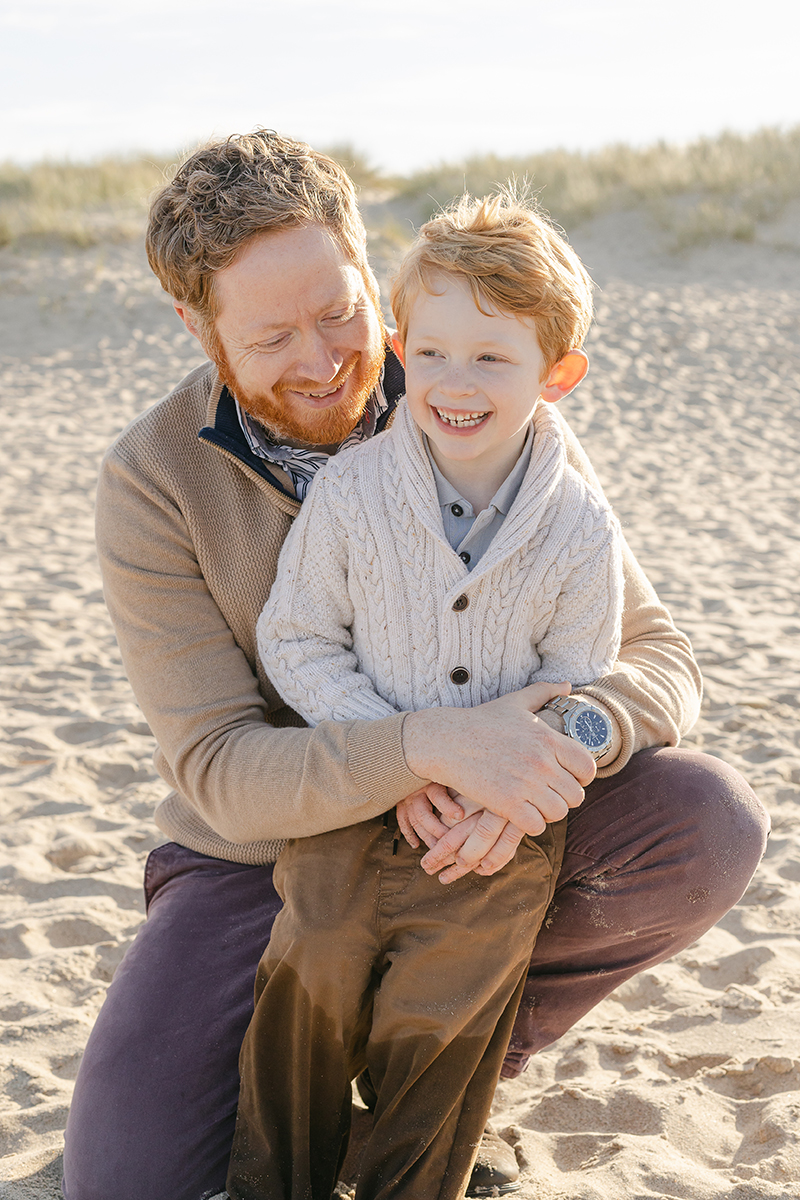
[360, 622]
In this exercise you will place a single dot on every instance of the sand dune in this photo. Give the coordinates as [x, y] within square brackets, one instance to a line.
[686, 1082]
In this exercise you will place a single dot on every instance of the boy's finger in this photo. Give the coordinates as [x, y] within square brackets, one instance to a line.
[447, 847]
[441, 799]
[406, 828]
[419, 814]
[502, 852]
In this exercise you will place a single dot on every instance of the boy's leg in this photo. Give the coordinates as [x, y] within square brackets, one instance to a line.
[312, 1016]
[454, 963]
[155, 1100]
[655, 856]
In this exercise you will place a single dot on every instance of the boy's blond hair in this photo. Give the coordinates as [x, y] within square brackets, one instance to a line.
[512, 258]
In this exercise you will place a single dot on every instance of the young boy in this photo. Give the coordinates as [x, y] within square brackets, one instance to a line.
[453, 559]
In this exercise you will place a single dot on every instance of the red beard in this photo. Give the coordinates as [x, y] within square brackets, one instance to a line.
[291, 420]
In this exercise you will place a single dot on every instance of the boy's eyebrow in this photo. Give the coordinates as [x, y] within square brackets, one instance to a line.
[482, 343]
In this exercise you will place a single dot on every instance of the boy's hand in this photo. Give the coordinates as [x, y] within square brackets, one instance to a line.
[418, 818]
[482, 843]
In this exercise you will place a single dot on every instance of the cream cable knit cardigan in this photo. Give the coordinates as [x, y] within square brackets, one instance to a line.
[361, 620]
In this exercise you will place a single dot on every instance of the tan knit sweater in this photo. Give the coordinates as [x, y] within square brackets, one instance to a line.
[188, 538]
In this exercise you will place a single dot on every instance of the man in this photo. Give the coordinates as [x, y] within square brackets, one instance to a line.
[259, 242]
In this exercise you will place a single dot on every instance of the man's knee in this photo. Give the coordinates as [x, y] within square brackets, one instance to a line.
[707, 793]
[673, 825]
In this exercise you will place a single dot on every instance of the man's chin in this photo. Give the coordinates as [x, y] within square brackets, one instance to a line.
[298, 423]
[289, 419]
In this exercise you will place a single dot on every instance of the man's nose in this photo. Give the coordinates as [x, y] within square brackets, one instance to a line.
[317, 361]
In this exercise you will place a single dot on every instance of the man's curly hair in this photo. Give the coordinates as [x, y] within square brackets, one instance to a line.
[229, 192]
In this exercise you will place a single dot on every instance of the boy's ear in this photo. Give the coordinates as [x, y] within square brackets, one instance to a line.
[565, 376]
[188, 318]
[397, 346]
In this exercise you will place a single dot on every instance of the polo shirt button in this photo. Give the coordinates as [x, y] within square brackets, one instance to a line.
[464, 556]
[456, 510]
[461, 603]
[459, 675]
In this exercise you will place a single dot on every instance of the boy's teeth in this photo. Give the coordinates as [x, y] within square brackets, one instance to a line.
[460, 419]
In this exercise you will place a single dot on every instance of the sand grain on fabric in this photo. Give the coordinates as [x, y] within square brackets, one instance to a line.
[686, 1082]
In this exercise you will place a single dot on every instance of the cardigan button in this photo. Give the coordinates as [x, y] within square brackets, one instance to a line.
[456, 510]
[465, 556]
[459, 675]
[461, 603]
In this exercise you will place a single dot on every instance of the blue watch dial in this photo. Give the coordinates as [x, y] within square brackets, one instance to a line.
[591, 728]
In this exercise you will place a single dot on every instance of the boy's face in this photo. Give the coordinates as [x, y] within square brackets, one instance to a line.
[472, 381]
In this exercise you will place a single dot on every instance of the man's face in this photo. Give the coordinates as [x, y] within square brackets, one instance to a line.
[299, 341]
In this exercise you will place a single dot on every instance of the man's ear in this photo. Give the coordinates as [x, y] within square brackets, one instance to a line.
[565, 376]
[397, 346]
[188, 318]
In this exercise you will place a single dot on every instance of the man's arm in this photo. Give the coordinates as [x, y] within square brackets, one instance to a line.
[251, 782]
[247, 780]
[652, 695]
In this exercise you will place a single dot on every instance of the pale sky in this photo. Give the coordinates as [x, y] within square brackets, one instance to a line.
[409, 84]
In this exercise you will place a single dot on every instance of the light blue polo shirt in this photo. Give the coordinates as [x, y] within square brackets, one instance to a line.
[470, 534]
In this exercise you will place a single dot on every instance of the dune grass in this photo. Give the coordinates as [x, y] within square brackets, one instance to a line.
[79, 204]
[720, 187]
[713, 188]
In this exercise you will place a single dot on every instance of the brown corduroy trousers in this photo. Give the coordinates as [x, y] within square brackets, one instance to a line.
[374, 964]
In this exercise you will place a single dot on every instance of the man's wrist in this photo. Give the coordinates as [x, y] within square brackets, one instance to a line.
[423, 732]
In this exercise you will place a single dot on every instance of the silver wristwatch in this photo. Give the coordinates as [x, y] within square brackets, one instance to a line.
[585, 723]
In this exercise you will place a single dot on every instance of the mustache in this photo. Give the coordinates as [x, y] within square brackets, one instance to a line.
[311, 385]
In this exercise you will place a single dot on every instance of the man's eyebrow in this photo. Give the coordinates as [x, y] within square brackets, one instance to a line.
[258, 331]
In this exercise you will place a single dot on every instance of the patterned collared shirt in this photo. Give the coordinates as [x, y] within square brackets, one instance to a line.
[302, 463]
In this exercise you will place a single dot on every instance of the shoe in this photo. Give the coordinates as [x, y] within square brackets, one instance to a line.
[495, 1173]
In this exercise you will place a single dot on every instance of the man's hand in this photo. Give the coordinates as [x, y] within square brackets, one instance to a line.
[502, 756]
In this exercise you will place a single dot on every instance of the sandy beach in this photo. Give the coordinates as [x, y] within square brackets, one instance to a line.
[686, 1082]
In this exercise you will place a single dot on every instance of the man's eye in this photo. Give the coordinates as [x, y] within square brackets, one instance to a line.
[340, 318]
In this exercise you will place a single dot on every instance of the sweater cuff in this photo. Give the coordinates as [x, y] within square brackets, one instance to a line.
[377, 763]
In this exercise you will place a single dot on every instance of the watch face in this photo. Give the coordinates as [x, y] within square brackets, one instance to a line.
[591, 728]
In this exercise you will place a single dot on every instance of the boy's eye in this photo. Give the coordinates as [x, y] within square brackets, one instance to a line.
[429, 353]
[490, 358]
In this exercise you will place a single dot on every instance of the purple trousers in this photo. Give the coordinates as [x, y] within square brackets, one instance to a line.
[654, 857]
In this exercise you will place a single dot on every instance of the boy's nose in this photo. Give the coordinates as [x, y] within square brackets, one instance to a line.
[457, 382]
